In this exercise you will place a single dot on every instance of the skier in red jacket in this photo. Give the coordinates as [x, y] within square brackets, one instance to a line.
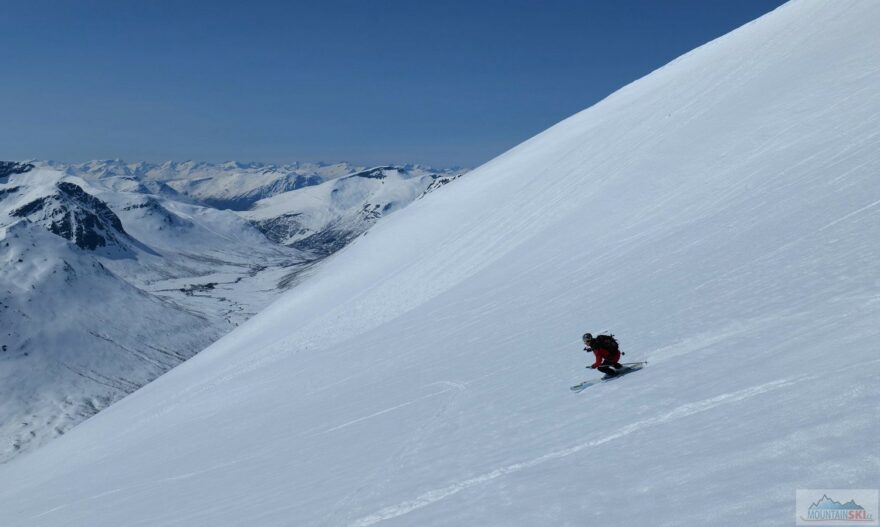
[607, 353]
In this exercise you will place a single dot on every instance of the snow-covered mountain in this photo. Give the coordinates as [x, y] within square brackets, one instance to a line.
[65, 209]
[76, 336]
[324, 218]
[8, 168]
[232, 185]
[98, 294]
[148, 275]
[721, 215]
[316, 207]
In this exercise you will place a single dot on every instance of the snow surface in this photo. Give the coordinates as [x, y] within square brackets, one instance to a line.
[721, 215]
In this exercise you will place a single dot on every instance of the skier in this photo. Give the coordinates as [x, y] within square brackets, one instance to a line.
[607, 353]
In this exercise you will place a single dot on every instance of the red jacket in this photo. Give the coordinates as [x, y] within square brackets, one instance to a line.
[603, 355]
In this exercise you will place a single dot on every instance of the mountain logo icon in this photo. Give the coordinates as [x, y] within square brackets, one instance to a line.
[827, 503]
[828, 511]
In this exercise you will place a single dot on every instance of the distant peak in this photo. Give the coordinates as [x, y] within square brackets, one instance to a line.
[8, 168]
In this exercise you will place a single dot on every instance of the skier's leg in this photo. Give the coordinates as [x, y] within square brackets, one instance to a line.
[615, 360]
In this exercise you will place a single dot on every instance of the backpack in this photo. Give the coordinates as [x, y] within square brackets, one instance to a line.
[607, 342]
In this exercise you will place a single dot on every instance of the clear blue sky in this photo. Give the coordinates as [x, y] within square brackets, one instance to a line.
[368, 81]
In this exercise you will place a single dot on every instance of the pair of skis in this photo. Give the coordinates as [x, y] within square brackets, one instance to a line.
[627, 367]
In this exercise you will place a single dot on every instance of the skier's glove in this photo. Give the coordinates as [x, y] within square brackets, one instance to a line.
[594, 366]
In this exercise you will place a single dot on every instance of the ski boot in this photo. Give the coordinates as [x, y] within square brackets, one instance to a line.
[609, 370]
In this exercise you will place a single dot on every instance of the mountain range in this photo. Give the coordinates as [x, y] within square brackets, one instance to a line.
[115, 272]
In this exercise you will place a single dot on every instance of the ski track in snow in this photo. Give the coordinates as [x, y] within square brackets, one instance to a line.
[685, 410]
[452, 387]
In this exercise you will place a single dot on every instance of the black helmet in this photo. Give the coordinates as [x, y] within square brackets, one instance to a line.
[588, 337]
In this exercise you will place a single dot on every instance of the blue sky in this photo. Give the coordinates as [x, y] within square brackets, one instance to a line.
[444, 83]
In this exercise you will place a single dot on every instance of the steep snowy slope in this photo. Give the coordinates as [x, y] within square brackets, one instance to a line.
[720, 215]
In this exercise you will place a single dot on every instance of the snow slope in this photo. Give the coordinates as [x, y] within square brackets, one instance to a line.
[721, 215]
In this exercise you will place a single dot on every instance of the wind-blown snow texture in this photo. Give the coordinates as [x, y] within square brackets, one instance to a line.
[720, 215]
